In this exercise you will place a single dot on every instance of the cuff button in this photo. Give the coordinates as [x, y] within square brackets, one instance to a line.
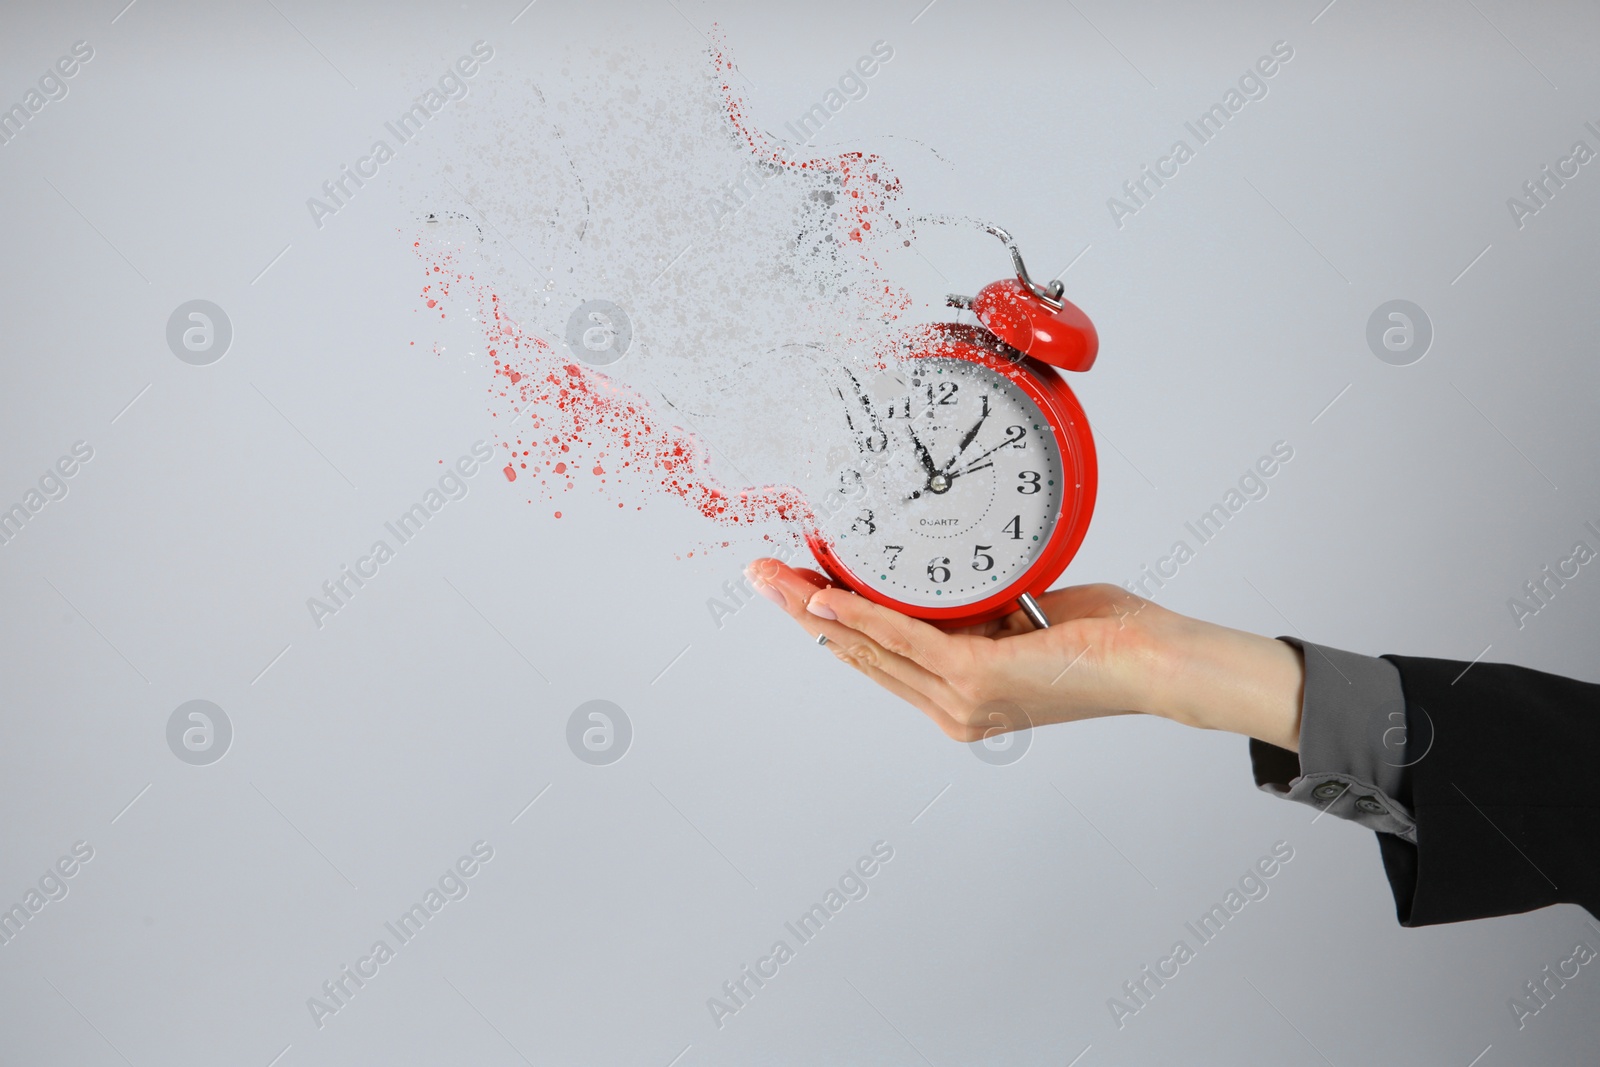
[1329, 790]
[1370, 806]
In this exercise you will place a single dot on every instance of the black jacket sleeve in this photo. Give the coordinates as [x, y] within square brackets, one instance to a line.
[1504, 764]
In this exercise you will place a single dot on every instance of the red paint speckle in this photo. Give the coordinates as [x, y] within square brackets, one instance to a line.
[572, 408]
[546, 407]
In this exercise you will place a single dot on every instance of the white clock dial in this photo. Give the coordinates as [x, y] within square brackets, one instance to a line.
[963, 478]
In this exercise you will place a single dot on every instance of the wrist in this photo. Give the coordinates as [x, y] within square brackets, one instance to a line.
[1217, 678]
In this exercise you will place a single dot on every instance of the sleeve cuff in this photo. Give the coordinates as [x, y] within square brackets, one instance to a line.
[1352, 761]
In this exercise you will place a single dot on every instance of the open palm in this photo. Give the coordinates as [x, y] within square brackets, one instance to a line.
[1102, 655]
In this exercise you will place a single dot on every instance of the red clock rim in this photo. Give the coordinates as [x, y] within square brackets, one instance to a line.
[1075, 441]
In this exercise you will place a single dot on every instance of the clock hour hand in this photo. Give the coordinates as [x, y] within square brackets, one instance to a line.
[922, 454]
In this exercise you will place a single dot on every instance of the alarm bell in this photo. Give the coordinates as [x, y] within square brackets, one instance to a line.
[1035, 320]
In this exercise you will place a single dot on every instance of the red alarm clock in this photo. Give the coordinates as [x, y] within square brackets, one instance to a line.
[976, 459]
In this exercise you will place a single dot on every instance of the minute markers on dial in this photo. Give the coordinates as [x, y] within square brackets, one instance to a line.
[931, 539]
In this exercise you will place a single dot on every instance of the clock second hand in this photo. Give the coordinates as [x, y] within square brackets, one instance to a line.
[1008, 441]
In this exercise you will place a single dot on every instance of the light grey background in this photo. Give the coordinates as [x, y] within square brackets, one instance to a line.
[425, 717]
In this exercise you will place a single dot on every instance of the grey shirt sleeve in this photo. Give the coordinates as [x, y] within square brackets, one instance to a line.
[1352, 756]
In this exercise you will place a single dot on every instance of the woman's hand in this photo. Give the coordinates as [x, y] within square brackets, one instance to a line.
[1107, 652]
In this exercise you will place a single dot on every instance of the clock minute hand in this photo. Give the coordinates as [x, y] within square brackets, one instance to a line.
[1008, 441]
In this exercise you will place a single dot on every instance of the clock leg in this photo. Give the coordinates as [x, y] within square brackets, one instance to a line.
[1030, 608]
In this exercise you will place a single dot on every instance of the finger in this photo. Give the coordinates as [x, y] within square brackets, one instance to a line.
[783, 578]
[863, 653]
[797, 592]
[941, 718]
[899, 676]
[927, 646]
[917, 698]
[785, 586]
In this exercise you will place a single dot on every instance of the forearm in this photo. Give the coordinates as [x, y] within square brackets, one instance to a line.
[1216, 678]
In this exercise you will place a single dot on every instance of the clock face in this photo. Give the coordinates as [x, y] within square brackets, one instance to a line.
[963, 480]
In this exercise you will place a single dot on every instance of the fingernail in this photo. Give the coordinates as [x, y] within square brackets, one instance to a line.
[821, 611]
[768, 591]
